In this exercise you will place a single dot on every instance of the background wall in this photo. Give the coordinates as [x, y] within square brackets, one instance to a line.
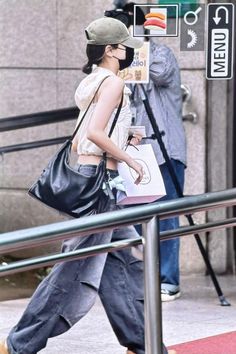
[41, 55]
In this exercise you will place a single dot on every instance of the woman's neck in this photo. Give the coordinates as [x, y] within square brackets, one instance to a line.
[109, 66]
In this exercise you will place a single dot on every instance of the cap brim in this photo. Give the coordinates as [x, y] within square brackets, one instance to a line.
[132, 43]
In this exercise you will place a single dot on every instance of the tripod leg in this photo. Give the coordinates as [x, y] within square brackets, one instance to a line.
[222, 298]
[179, 192]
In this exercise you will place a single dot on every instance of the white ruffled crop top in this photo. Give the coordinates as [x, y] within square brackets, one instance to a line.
[83, 96]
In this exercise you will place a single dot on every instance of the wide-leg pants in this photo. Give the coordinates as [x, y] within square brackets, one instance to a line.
[70, 291]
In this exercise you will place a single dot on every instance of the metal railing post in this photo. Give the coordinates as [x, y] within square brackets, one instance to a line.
[152, 288]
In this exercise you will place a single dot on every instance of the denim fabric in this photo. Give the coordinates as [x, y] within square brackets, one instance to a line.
[70, 290]
[170, 249]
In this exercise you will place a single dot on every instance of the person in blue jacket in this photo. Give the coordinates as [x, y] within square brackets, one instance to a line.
[165, 97]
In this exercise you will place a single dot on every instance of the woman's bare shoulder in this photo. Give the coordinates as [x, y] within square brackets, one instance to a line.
[114, 83]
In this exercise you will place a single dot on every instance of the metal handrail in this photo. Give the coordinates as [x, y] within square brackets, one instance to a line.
[149, 216]
[40, 118]
[36, 119]
[15, 240]
[37, 262]
[32, 145]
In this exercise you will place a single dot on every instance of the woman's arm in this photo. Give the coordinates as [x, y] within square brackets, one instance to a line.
[109, 97]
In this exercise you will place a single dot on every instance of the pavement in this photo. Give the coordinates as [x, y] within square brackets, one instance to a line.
[196, 314]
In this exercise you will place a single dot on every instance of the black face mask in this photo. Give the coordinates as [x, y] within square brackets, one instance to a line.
[125, 63]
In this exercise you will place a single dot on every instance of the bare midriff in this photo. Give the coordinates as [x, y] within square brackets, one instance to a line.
[94, 160]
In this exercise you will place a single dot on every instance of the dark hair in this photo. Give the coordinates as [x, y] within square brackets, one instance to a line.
[140, 16]
[125, 13]
[95, 55]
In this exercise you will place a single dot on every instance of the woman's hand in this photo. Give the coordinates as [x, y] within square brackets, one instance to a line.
[136, 139]
[138, 168]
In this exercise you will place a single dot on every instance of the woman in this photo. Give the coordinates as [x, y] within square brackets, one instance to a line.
[70, 290]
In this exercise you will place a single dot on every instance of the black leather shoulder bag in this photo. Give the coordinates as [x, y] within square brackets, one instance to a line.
[65, 189]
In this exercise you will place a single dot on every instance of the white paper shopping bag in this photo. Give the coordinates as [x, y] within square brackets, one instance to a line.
[151, 187]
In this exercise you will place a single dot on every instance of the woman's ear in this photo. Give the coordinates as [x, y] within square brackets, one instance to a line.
[108, 50]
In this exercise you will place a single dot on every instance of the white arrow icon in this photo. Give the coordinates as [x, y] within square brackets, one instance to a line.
[217, 18]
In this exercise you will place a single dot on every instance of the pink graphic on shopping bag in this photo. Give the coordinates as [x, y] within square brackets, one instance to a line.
[146, 172]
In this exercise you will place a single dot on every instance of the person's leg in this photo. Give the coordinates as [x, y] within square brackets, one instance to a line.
[122, 294]
[170, 256]
[170, 249]
[62, 298]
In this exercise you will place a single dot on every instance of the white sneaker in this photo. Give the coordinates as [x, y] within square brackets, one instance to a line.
[168, 295]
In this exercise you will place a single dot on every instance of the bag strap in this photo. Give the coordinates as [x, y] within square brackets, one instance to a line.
[115, 118]
[114, 121]
[81, 121]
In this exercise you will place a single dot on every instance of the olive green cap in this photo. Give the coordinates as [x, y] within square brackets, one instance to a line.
[107, 30]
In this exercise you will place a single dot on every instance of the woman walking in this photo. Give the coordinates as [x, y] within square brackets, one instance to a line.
[70, 290]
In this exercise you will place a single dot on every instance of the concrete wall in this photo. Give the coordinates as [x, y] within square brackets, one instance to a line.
[219, 147]
[41, 55]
